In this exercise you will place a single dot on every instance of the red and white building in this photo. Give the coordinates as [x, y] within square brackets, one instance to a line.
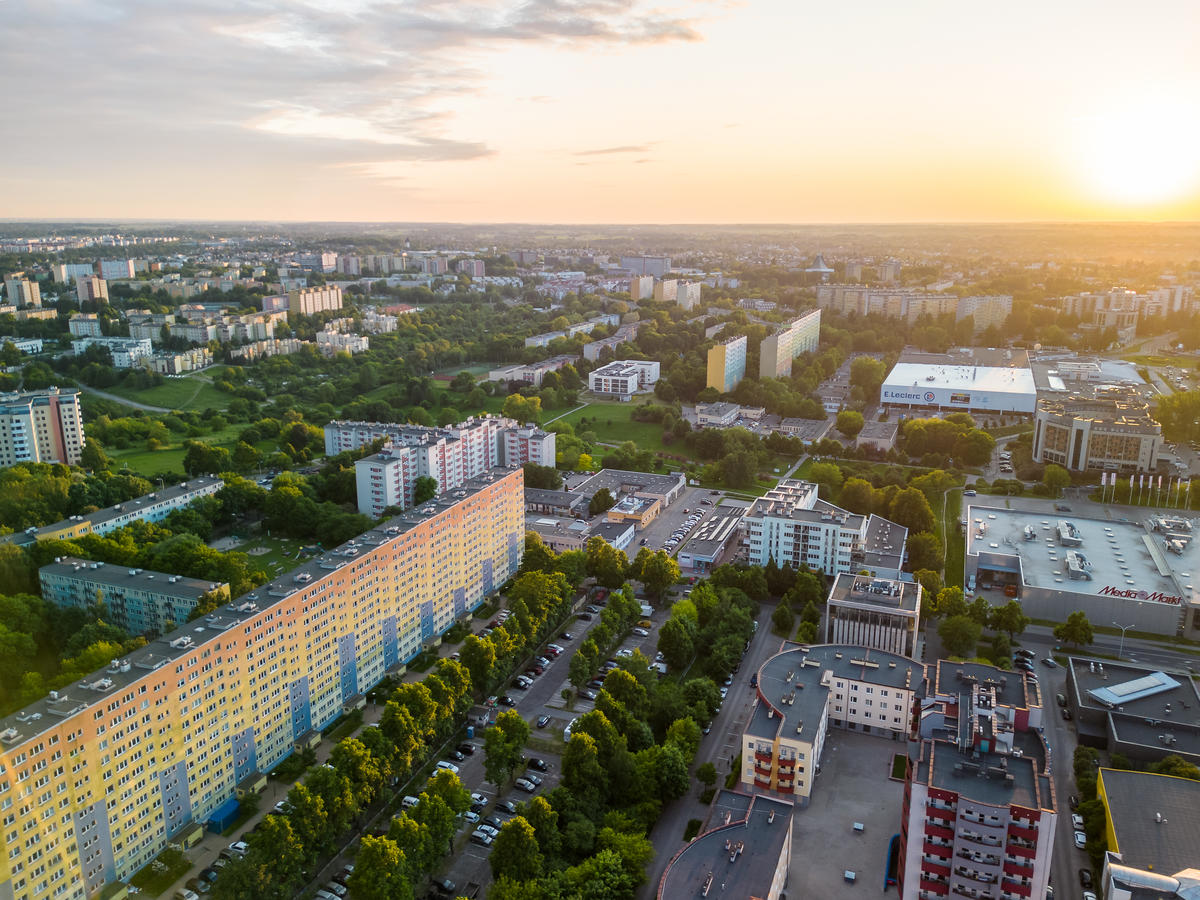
[979, 809]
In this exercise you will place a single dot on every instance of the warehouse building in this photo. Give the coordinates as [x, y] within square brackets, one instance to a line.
[1135, 573]
[970, 380]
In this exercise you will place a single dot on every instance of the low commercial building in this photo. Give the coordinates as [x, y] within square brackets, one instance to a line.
[809, 431]
[1136, 573]
[1107, 428]
[717, 415]
[555, 503]
[624, 378]
[640, 511]
[804, 691]
[1152, 826]
[619, 534]
[712, 540]
[1139, 711]
[980, 810]
[743, 850]
[879, 436]
[880, 613]
[532, 373]
[664, 488]
[790, 524]
[974, 380]
[140, 601]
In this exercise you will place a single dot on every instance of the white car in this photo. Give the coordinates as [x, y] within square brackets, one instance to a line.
[477, 797]
[488, 830]
[1080, 840]
[471, 818]
[447, 766]
[641, 632]
[625, 653]
[1077, 821]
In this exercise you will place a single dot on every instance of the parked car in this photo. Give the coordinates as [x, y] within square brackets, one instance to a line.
[457, 755]
[525, 785]
[338, 890]
[1073, 801]
[477, 797]
[1080, 840]
[468, 749]
[508, 701]
[1049, 663]
[507, 806]
[641, 632]
[540, 764]
[494, 821]
[1028, 654]
[592, 608]
[239, 848]
[1085, 878]
[1077, 821]
[567, 636]
[185, 894]
[199, 885]
[447, 766]
[479, 837]
[584, 617]
[344, 875]
[543, 721]
[645, 623]
[1066, 714]
[488, 830]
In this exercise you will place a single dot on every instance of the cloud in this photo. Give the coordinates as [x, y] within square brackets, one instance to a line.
[605, 151]
[365, 83]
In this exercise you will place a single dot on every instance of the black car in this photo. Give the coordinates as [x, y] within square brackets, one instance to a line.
[478, 807]
[567, 636]
[457, 755]
[1085, 879]
[468, 749]
[494, 821]
[1061, 507]
[209, 874]
[507, 701]
[584, 617]
[1066, 714]
[507, 806]
[199, 885]
[540, 764]
[587, 693]
[592, 608]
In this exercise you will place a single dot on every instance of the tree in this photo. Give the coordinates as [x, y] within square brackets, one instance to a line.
[523, 409]
[1009, 618]
[581, 770]
[92, 457]
[1056, 478]
[867, 373]
[707, 774]
[659, 572]
[783, 620]
[850, 423]
[911, 509]
[951, 602]
[959, 635]
[925, 550]
[424, 488]
[380, 871]
[544, 477]
[676, 641]
[738, 469]
[1176, 765]
[828, 478]
[1076, 631]
[602, 501]
[503, 746]
[516, 853]
[858, 496]
[479, 656]
[605, 563]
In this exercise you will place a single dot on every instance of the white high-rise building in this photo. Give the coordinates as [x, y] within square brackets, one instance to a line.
[41, 426]
[777, 351]
[22, 292]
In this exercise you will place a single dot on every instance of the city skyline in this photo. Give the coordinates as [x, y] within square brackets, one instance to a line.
[602, 111]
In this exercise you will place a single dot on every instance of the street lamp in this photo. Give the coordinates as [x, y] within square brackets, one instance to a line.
[1124, 628]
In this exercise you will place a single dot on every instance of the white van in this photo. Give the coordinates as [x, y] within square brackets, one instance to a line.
[567, 730]
[647, 610]
[410, 801]
[970, 584]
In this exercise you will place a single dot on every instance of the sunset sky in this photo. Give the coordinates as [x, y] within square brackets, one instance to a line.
[601, 110]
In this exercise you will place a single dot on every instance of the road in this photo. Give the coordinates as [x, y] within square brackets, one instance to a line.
[1145, 652]
[718, 747]
[105, 395]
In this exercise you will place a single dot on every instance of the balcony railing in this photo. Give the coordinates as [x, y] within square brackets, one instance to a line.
[1014, 887]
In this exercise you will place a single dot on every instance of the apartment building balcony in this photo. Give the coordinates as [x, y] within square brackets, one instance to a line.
[944, 805]
[760, 756]
[980, 819]
[975, 837]
[761, 769]
[972, 893]
[982, 859]
[930, 890]
[976, 875]
[934, 868]
[1021, 850]
[1015, 887]
[1021, 869]
[1024, 834]
[937, 829]
[937, 848]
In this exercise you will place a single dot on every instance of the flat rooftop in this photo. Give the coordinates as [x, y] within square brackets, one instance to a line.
[125, 577]
[985, 777]
[713, 534]
[883, 546]
[876, 593]
[1095, 680]
[983, 379]
[562, 499]
[784, 672]
[1118, 553]
[1144, 843]
[620, 482]
[738, 853]
[1011, 688]
[806, 429]
[127, 670]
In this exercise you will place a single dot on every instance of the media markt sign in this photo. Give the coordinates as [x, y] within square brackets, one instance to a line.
[1134, 594]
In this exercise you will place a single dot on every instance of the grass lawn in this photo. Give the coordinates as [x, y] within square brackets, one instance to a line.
[955, 540]
[281, 554]
[162, 873]
[615, 425]
[151, 463]
[1143, 359]
[178, 393]
[899, 766]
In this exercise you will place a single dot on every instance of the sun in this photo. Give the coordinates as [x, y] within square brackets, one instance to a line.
[1140, 151]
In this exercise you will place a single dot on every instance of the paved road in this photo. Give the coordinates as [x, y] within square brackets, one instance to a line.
[718, 747]
[115, 399]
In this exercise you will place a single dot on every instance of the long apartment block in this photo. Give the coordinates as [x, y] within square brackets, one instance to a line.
[148, 508]
[97, 777]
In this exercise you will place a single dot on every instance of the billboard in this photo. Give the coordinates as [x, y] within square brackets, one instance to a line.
[964, 399]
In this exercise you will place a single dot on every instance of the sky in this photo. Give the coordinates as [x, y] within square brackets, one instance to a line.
[622, 111]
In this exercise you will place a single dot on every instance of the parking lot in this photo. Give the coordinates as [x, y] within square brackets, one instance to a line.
[674, 517]
[853, 786]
